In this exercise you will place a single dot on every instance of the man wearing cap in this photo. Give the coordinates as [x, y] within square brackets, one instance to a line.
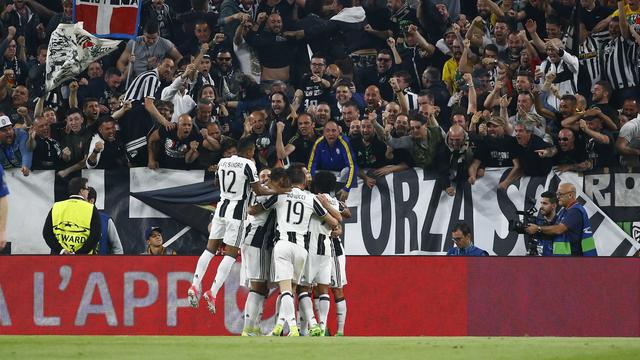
[14, 152]
[153, 237]
[494, 150]
[73, 225]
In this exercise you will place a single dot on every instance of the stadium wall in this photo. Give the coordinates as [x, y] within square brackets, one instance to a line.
[387, 296]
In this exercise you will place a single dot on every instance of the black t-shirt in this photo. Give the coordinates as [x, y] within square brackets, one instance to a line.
[303, 149]
[574, 156]
[46, 155]
[532, 164]
[173, 149]
[496, 152]
[274, 50]
[371, 156]
[113, 156]
[313, 93]
[601, 155]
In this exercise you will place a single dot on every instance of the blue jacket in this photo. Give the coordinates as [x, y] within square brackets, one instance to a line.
[469, 251]
[17, 154]
[336, 158]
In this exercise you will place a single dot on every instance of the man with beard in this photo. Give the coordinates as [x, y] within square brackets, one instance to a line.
[201, 35]
[281, 113]
[379, 76]
[530, 150]
[226, 78]
[314, 87]
[105, 150]
[47, 151]
[176, 148]
[450, 68]
[600, 95]
[298, 148]
[600, 146]
[139, 121]
[275, 49]
[565, 66]
[495, 150]
[14, 152]
[546, 216]
[370, 151]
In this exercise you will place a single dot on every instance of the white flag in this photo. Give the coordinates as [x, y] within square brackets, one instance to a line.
[71, 50]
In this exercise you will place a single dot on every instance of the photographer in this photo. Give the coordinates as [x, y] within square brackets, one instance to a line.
[572, 230]
[546, 216]
[461, 236]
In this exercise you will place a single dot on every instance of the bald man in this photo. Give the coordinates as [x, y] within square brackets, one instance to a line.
[572, 231]
[453, 160]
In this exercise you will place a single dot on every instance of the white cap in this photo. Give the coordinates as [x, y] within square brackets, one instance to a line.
[5, 121]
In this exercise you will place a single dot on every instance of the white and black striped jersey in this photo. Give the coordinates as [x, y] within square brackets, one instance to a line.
[320, 235]
[412, 99]
[337, 248]
[261, 228]
[293, 214]
[143, 86]
[618, 61]
[235, 174]
[589, 58]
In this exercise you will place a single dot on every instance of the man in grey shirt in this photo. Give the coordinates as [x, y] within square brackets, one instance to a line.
[149, 50]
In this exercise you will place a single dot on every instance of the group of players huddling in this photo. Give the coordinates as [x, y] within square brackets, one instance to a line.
[290, 238]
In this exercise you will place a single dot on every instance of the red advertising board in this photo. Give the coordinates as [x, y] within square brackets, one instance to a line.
[386, 296]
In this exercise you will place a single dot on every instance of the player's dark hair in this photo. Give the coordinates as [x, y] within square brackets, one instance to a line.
[462, 227]
[277, 174]
[551, 196]
[323, 182]
[244, 144]
[296, 175]
[77, 184]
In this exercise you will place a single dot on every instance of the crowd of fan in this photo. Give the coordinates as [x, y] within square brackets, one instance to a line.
[369, 86]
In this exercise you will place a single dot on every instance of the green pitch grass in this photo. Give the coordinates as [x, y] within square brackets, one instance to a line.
[265, 348]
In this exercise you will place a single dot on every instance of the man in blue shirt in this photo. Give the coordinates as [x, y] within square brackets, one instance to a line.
[461, 236]
[572, 230]
[14, 152]
[333, 152]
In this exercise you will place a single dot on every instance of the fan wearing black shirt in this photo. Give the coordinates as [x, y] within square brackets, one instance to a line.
[275, 51]
[370, 151]
[298, 148]
[314, 87]
[176, 148]
[531, 149]
[494, 150]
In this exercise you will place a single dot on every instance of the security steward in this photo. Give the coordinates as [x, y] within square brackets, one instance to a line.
[73, 225]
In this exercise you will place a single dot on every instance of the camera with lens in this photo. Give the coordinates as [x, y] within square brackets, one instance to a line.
[519, 225]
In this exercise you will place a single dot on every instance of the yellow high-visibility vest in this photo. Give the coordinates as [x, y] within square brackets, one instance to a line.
[71, 220]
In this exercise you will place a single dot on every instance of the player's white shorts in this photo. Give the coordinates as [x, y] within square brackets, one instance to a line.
[338, 271]
[231, 231]
[317, 270]
[257, 263]
[288, 261]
